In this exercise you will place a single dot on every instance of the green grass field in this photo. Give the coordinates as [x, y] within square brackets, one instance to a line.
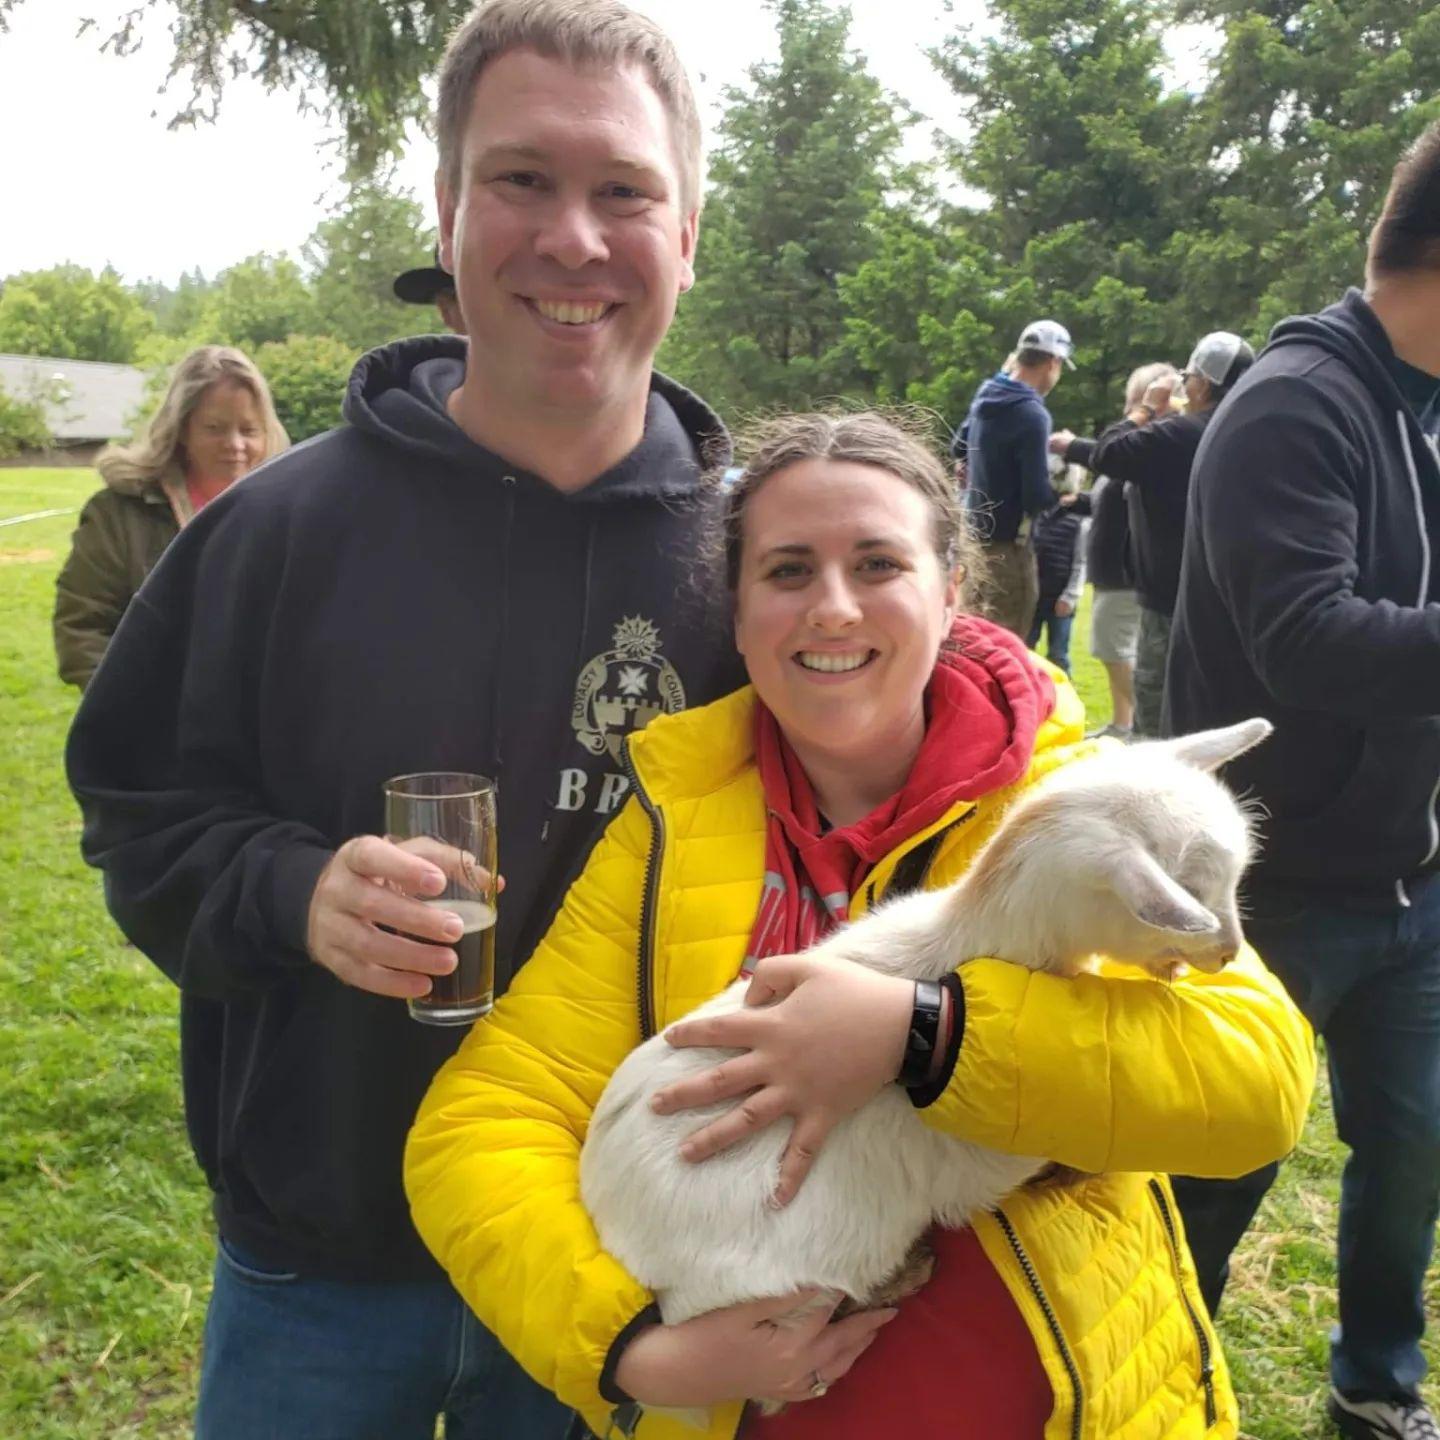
[105, 1245]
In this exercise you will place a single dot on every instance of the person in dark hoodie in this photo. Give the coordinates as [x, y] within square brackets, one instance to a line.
[1310, 594]
[1150, 451]
[1002, 447]
[488, 568]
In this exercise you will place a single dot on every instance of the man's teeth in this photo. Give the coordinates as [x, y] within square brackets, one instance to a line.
[822, 660]
[571, 312]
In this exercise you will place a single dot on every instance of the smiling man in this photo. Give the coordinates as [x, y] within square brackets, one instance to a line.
[487, 568]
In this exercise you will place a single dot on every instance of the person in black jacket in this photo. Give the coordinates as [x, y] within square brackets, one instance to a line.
[1150, 452]
[1310, 594]
[487, 568]
[1110, 561]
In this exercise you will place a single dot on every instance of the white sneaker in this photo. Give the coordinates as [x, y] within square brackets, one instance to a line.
[1383, 1419]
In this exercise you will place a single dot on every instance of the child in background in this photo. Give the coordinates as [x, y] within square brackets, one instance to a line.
[1058, 536]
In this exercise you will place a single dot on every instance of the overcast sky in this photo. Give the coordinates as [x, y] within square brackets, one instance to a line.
[90, 174]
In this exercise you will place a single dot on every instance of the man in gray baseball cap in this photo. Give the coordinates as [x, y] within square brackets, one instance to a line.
[1001, 451]
[1151, 452]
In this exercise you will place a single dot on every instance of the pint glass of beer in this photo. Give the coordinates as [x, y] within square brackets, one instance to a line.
[449, 818]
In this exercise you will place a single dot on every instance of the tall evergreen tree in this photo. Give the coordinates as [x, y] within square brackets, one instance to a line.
[1075, 144]
[807, 154]
[354, 257]
[1310, 104]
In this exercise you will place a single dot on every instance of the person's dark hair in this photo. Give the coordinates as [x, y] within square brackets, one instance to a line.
[895, 442]
[1407, 236]
[1031, 358]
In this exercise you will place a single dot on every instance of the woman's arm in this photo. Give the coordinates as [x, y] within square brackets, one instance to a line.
[91, 592]
[1210, 1076]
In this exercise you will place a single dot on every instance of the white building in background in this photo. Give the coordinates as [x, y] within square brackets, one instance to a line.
[86, 402]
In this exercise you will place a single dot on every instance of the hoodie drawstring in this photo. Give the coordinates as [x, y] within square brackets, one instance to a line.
[503, 614]
[1420, 528]
[587, 570]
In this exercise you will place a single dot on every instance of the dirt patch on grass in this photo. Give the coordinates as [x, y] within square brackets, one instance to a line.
[25, 557]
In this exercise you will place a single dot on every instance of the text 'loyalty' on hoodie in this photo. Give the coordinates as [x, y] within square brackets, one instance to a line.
[1310, 594]
[386, 598]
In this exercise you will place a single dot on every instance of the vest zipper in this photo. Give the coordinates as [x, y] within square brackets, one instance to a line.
[645, 958]
[1058, 1335]
[1207, 1367]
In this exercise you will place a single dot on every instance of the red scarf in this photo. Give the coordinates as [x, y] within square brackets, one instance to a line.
[984, 705]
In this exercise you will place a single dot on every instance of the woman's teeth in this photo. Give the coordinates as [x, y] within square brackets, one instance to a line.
[833, 664]
[571, 312]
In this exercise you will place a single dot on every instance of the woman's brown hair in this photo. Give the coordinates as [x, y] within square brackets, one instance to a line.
[895, 442]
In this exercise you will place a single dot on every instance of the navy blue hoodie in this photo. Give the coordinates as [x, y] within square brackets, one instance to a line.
[386, 598]
[1309, 594]
[1004, 443]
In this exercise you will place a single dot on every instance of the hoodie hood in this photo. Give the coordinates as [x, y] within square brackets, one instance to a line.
[399, 393]
[1351, 332]
[1000, 392]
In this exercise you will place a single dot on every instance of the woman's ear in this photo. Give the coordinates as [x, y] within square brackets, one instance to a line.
[953, 582]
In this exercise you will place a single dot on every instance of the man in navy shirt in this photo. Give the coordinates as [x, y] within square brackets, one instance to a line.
[1004, 447]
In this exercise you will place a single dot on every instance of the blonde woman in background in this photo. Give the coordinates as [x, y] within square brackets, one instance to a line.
[215, 424]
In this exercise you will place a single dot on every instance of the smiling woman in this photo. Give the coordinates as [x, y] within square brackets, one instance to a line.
[214, 425]
[883, 736]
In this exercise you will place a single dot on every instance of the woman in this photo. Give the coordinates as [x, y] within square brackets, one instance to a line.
[857, 764]
[215, 424]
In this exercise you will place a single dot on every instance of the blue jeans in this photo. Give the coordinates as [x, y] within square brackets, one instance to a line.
[287, 1357]
[1370, 984]
[1057, 647]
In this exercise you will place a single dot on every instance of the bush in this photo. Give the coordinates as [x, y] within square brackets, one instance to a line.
[23, 426]
[307, 375]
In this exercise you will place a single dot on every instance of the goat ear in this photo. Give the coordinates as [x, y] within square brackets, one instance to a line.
[1153, 898]
[1210, 749]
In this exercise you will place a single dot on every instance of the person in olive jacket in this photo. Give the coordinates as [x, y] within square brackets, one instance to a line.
[215, 424]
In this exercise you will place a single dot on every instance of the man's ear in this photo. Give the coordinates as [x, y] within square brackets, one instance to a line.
[1152, 897]
[1210, 749]
[689, 239]
[445, 203]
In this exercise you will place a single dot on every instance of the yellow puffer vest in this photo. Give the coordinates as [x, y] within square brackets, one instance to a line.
[1116, 1075]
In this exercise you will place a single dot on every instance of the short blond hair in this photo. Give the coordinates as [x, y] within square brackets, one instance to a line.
[593, 34]
[1142, 378]
[155, 454]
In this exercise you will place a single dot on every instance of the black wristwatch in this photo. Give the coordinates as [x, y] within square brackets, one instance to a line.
[924, 1034]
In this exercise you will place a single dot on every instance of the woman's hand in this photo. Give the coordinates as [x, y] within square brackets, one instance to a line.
[832, 1033]
[744, 1353]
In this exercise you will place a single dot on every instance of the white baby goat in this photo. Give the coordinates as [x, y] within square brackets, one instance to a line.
[1133, 854]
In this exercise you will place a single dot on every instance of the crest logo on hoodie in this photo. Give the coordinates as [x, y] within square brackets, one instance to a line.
[624, 688]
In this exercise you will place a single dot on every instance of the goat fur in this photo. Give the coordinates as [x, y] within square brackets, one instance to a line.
[1132, 854]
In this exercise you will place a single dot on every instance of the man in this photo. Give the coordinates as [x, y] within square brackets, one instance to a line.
[1001, 448]
[488, 568]
[1150, 452]
[1311, 594]
[431, 285]
[1110, 564]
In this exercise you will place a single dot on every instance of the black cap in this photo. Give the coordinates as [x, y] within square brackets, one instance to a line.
[425, 285]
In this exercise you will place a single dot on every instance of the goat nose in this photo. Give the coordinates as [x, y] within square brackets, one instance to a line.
[1225, 957]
